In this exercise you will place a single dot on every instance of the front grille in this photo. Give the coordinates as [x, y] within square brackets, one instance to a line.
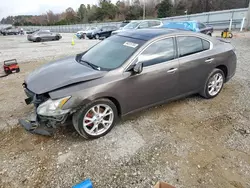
[33, 97]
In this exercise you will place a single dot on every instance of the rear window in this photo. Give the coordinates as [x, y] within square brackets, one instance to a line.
[191, 45]
[206, 45]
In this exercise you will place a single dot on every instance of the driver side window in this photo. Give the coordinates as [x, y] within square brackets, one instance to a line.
[158, 52]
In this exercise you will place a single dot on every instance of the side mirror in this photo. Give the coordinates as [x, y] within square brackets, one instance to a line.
[138, 68]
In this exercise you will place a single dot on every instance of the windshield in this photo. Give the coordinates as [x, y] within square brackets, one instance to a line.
[112, 52]
[132, 25]
[124, 24]
[90, 28]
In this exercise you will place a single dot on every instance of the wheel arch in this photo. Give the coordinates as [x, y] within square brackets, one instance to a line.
[224, 70]
[115, 101]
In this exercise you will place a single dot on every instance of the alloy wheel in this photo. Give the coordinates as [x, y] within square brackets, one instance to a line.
[215, 84]
[98, 119]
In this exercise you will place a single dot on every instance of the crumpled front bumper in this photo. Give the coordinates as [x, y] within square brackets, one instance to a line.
[37, 124]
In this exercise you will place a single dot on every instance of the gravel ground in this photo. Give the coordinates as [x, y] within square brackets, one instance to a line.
[188, 143]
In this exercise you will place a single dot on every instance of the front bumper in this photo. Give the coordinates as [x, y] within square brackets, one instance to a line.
[30, 39]
[89, 35]
[37, 124]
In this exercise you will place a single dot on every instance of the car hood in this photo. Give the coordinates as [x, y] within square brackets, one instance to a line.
[118, 31]
[60, 73]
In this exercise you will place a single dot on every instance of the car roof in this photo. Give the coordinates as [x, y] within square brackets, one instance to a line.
[144, 20]
[193, 21]
[148, 34]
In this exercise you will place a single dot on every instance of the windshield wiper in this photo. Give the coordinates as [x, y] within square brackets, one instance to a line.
[91, 65]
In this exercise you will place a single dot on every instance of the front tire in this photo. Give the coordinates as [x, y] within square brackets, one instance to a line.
[97, 36]
[214, 84]
[95, 119]
[38, 39]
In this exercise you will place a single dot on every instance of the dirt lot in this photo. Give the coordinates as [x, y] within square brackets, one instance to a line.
[189, 143]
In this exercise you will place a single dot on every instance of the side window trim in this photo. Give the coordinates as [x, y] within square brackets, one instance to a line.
[134, 59]
[203, 44]
[174, 45]
[178, 50]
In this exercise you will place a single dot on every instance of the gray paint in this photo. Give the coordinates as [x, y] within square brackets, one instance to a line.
[60, 73]
[134, 91]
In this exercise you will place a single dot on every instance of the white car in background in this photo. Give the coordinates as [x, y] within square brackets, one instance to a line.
[82, 34]
[140, 24]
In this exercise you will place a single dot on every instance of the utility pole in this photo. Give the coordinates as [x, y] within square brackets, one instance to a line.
[248, 18]
[144, 10]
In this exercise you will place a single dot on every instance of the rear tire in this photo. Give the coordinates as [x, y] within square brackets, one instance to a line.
[214, 84]
[18, 70]
[85, 119]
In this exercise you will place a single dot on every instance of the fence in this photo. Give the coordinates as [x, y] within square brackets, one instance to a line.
[217, 19]
[72, 28]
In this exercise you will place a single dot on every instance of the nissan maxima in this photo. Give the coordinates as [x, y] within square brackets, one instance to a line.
[127, 72]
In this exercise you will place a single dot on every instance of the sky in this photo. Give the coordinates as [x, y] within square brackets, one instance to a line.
[36, 7]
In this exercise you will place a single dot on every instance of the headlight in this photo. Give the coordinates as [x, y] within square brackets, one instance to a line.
[53, 107]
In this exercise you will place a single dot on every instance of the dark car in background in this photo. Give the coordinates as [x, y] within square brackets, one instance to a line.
[195, 26]
[101, 32]
[125, 73]
[43, 36]
[10, 31]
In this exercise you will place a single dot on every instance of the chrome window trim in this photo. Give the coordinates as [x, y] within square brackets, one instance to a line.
[183, 35]
[145, 46]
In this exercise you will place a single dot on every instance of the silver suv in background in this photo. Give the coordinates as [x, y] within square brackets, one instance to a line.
[140, 24]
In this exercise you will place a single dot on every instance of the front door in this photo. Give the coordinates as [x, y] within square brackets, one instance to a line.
[159, 79]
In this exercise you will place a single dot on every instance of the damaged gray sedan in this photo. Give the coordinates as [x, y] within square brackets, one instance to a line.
[130, 71]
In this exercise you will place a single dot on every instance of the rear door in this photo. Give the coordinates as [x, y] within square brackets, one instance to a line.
[104, 31]
[109, 31]
[45, 35]
[196, 62]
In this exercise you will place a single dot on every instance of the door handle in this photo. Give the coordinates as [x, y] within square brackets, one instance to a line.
[210, 60]
[173, 70]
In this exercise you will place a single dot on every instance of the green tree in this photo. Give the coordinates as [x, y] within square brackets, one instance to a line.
[70, 15]
[82, 13]
[92, 13]
[165, 9]
[106, 10]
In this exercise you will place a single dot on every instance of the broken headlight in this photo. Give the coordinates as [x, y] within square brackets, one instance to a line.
[53, 107]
